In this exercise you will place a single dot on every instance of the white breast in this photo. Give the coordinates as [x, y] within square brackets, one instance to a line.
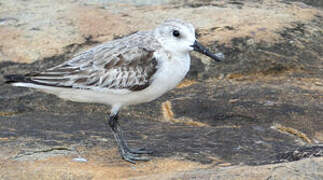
[171, 72]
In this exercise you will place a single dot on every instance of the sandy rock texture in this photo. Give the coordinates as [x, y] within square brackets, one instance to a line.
[256, 115]
[38, 29]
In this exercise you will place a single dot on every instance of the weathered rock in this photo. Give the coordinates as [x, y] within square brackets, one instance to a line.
[305, 169]
[26, 36]
[262, 105]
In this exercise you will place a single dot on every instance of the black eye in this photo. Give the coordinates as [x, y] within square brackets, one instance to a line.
[176, 33]
[197, 35]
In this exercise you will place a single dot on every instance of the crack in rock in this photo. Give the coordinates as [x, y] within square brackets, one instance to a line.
[41, 154]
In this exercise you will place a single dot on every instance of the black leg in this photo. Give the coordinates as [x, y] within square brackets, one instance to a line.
[130, 155]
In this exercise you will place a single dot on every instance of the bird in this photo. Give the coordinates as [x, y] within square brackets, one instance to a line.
[135, 69]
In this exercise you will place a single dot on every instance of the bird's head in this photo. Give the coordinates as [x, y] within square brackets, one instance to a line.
[178, 36]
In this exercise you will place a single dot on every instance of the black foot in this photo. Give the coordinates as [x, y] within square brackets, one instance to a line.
[128, 154]
[132, 158]
[132, 155]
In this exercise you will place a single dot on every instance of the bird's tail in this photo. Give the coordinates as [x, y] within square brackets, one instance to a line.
[15, 78]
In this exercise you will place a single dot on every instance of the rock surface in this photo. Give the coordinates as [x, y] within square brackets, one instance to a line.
[262, 105]
[304, 169]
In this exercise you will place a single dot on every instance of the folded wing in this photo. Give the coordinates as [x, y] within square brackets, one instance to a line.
[131, 69]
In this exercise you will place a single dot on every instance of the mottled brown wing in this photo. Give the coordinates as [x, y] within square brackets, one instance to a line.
[132, 69]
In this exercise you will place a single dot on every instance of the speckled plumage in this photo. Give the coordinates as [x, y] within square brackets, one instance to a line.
[126, 63]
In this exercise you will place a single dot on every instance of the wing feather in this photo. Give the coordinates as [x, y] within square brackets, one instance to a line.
[121, 64]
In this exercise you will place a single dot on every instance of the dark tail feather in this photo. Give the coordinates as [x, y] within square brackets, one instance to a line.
[13, 78]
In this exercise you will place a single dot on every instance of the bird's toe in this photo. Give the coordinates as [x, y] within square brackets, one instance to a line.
[140, 151]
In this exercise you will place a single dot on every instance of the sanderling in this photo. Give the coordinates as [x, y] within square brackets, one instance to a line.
[135, 69]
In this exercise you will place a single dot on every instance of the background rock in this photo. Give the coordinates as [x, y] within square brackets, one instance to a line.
[262, 105]
[305, 169]
[37, 29]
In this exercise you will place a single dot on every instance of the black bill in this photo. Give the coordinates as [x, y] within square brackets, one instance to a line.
[201, 49]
